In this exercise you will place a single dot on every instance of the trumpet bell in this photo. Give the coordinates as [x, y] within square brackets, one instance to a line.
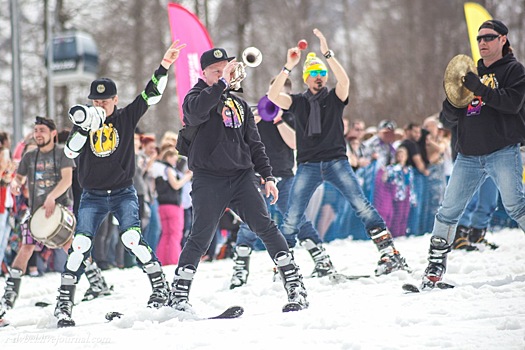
[457, 94]
[252, 56]
[267, 109]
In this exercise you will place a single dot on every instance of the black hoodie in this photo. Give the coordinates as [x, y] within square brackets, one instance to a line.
[218, 149]
[500, 120]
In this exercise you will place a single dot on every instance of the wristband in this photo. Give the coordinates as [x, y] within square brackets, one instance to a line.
[270, 178]
[286, 71]
[224, 81]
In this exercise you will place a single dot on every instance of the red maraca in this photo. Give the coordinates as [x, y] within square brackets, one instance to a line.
[302, 44]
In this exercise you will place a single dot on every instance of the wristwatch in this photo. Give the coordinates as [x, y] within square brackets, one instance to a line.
[270, 178]
[328, 54]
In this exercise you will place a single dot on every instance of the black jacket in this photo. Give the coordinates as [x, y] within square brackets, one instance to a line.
[218, 149]
[500, 121]
[107, 161]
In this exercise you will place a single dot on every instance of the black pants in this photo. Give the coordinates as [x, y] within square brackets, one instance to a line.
[211, 195]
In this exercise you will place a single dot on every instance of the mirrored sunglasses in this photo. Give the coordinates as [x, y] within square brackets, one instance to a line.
[315, 73]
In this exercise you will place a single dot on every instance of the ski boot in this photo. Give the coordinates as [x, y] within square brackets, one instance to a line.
[97, 283]
[477, 235]
[179, 296]
[159, 285]
[461, 241]
[241, 269]
[65, 301]
[323, 264]
[437, 262]
[293, 282]
[390, 260]
[12, 289]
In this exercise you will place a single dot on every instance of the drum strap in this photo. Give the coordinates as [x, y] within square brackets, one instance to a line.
[34, 174]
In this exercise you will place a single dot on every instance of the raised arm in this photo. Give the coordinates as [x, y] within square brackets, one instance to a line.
[343, 82]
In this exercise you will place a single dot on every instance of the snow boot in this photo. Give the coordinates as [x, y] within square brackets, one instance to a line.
[241, 269]
[65, 301]
[461, 240]
[293, 282]
[97, 283]
[12, 288]
[390, 259]
[477, 235]
[437, 261]
[159, 285]
[180, 291]
[323, 264]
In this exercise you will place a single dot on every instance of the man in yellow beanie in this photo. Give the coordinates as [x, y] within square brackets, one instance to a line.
[321, 155]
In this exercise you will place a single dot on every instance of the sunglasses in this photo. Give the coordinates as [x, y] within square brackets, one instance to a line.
[487, 37]
[315, 73]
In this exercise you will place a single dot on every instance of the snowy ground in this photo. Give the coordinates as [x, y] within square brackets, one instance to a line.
[485, 311]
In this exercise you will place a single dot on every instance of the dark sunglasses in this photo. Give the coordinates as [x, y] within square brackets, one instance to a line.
[487, 37]
[315, 73]
[42, 121]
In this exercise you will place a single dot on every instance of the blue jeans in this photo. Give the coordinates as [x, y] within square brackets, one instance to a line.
[339, 173]
[152, 231]
[482, 206]
[503, 166]
[95, 206]
[246, 237]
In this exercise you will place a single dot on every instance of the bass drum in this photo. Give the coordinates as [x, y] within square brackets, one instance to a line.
[54, 231]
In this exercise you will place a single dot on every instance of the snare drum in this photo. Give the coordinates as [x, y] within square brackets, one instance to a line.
[54, 231]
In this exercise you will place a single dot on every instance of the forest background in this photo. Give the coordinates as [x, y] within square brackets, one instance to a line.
[395, 51]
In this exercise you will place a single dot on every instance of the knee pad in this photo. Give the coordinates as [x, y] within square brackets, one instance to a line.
[132, 240]
[80, 247]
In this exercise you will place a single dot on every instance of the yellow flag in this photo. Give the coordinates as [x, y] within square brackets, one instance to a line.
[475, 15]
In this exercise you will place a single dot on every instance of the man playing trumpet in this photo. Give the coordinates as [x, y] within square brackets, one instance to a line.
[321, 155]
[224, 156]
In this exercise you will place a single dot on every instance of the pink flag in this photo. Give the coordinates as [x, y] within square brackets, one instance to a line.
[186, 27]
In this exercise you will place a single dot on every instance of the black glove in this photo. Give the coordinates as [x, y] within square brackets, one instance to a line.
[472, 82]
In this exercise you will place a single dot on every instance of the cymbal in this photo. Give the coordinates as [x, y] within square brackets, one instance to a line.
[458, 95]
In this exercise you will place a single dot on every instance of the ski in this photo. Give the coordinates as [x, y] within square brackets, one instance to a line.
[229, 313]
[412, 288]
[340, 277]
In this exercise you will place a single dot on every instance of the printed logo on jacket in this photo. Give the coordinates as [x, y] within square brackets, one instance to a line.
[104, 141]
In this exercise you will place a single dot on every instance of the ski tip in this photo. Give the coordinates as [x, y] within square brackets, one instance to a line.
[231, 312]
[110, 316]
[410, 288]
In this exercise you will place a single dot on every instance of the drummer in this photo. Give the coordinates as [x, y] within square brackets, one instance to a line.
[48, 173]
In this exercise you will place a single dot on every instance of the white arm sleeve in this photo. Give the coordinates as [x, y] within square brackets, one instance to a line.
[88, 118]
[74, 145]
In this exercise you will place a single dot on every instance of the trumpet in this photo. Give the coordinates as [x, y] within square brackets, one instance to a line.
[251, 57]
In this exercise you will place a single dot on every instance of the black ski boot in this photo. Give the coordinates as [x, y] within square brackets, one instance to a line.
[461, 240]
[437, 262]
[323, 264]
[477, 235]
[12, 289]
[180, 291]
[65, 301]
[159, 285]
[97, 283]
[241, 269]
[293, 282]
[390, 260]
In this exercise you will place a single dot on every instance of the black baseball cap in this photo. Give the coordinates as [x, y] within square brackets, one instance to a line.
[498, 26]
[50, 123]
[213, 56]
[102, 89]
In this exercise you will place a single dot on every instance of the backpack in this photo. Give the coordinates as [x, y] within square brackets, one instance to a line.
[186, 136]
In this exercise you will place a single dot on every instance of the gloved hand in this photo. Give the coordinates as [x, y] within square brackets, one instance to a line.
[88, 118]
[472, 82]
